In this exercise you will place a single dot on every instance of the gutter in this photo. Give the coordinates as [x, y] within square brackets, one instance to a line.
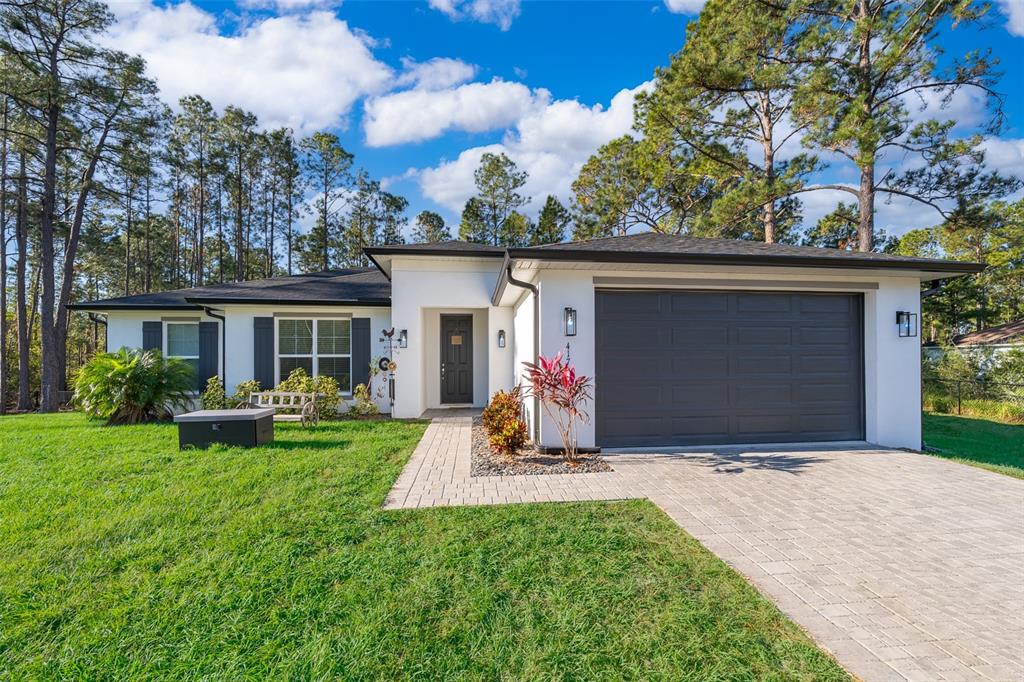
[536, 335]
[223, 345]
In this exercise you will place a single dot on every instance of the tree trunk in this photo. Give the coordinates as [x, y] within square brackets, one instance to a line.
[866, 201]
[149, 226]
[3, 261]
[289, 233]
[127, 236]
[48, 328]
[20, 293]
[239, 246]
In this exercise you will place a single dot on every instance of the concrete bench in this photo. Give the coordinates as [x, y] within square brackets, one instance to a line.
[247, 428]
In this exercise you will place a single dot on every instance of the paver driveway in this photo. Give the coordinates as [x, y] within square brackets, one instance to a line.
[904, 566]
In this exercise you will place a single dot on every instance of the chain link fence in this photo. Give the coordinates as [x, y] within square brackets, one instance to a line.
[974, 397]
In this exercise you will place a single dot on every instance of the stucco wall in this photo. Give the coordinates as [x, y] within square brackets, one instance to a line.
[523, 350]
[892, 364]
[421, 288]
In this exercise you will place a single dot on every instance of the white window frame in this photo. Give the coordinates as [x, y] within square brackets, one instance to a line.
[166, 347]
[314, 354]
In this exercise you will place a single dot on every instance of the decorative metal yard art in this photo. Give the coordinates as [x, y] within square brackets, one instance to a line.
[563, 394]
[386, 364]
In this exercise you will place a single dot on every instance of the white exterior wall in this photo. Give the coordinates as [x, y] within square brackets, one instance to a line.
[421, 289]
[124, 328]
[892, 380]
[239, 339]
[523, 350]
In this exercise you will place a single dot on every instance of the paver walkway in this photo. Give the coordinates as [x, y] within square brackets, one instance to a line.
[904, 566]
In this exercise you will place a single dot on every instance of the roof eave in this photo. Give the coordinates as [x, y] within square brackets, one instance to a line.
[100, 306]
[224, 300]
[662, 258]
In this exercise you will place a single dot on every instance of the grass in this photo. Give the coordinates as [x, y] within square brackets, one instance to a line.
[980, 442]
[123, 558]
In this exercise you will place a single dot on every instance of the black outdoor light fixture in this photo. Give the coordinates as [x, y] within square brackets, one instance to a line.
[501, 338]
[570, 322]
[906, 322]
[403, 338]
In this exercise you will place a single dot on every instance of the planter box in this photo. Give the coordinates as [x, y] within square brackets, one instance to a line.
[247, 428]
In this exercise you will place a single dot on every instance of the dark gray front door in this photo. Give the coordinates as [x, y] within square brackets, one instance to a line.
[456, 358]
[701, 368]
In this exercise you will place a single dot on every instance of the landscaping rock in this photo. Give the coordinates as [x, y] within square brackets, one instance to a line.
[528, 462]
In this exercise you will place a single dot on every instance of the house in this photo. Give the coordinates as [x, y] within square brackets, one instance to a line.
[690, 341]
[1000, 338]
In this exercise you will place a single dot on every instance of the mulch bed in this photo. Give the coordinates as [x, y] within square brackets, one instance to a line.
[529, 462]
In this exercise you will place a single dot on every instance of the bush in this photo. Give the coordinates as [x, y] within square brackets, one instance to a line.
[327, 401]
[133, 386]
[213, 397]
[364, 403]
[503, 421]
[242, 391]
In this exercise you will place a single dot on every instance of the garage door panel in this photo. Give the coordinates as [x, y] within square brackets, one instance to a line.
[699, 336]
[764, 335]
[761, 395]
[760, 365]
[703, 304]
[699, 395]
[727, 367]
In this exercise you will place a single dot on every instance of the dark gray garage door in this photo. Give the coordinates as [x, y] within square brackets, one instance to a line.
[697, 368]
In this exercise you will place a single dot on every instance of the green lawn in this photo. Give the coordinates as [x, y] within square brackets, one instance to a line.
[981, 442]
[121, 558]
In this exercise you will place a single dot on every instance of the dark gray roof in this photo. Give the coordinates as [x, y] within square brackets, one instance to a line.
[353, 286]
[452, 247]
[654, 247]
[1010, 332]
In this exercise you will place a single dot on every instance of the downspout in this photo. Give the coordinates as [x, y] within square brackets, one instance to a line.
[536, 339]
[223, 345]
[96, 319]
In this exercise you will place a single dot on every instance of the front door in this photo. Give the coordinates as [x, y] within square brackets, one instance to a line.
[456, 358]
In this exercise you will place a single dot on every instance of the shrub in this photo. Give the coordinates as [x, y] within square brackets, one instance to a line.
[364, 403]
[133, 386]
[327, 387]
[563, 394]
[503, 421]
[242, 391]
[213, 397]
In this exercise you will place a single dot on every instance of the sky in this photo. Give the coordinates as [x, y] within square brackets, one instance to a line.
[418, 91]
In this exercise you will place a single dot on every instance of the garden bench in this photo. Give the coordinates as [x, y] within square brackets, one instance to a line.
[304, 405]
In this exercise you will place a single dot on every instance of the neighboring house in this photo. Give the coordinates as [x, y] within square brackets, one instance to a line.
[690, 341]
[989, 343]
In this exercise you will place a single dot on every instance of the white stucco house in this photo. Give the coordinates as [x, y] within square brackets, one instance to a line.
[689, 341]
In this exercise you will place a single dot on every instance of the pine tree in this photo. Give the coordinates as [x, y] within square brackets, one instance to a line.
[551, 224]
[430, 228]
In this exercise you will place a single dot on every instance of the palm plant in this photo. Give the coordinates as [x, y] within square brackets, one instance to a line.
[133, 386]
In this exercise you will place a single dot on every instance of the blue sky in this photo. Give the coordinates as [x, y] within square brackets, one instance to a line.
[418, 90]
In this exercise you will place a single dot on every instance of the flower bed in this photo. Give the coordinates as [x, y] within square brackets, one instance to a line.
[485, 462]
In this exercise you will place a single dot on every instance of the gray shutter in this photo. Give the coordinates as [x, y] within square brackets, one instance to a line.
[207, 353]
[360, 350]
[263, 351]
[153, 335]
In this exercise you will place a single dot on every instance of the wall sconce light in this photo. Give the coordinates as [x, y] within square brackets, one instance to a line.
[501, 338]
[570, 322]
[403, 338]
[906, 323]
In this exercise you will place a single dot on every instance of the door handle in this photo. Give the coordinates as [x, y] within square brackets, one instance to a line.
[442, 369]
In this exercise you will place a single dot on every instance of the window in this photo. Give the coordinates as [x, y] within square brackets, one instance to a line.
[319, 346]
[182, 342]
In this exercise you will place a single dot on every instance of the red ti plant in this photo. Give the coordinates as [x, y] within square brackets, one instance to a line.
[563, 394]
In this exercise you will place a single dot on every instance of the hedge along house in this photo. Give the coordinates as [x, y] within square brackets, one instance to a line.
[690, 341]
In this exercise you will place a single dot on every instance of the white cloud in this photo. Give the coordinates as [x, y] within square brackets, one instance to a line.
[304, 71]
[284, 6]
[1005, 155]
[498, 12]
[1014, 11]
[551, 143]
[435, 74]
[418, 114]
[685, 6]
